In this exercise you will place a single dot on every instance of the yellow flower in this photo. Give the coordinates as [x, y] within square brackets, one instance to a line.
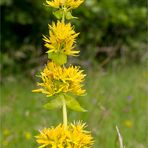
[128, 123]
[57, 79]
[27, 135]
[6, 132]
[74, 136]
[62, 39]
[69, 4]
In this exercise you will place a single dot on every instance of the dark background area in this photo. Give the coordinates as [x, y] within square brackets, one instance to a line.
[113, 32]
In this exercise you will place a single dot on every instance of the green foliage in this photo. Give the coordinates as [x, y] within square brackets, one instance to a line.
[57, 102]
[22, 25]
[119, 26]
[58, 58]
[54, 103]
[58, 14]
[73, 104]
[69, 16]
[112, 23]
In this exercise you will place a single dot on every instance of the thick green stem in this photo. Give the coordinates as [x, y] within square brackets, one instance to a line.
[63, 17]
[64, 113]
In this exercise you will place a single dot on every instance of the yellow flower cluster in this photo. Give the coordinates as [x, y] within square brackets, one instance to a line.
[59, 79]
[74, 136]
[69, 4]
[62, 39]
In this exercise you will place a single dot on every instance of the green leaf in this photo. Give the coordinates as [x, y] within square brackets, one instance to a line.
[58, 58]
[69, 16]
[73, 104]
[49, 55]
[53, 104]
[58, 14]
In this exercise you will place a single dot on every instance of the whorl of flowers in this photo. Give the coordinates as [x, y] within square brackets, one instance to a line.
[58, 79]
[74, 136]
[61, 39]
[69, 4]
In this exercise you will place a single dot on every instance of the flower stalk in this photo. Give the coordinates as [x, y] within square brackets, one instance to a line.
[63, 15]
[63, 100]
[64, 112]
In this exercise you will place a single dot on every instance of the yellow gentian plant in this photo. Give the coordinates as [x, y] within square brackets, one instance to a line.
[60, 83]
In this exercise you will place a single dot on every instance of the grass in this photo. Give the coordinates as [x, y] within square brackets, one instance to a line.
[115, 97]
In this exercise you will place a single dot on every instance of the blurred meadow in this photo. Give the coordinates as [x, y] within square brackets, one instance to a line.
[113, 45]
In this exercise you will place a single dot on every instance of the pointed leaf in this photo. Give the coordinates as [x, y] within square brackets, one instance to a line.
[49, 55]
[73, 104]
[69, 16]
[58, 14]
[58, 58]
[55, 103]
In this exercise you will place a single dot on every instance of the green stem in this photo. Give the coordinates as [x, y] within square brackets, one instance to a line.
[63, 17]
[64, 113]
[64, 103]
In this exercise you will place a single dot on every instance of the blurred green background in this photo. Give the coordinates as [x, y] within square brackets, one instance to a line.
[113, 44]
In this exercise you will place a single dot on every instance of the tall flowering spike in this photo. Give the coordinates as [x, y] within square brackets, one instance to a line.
[69, 4]
[74, 136]
[61, 39]
[62, 83]
[57, 79]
